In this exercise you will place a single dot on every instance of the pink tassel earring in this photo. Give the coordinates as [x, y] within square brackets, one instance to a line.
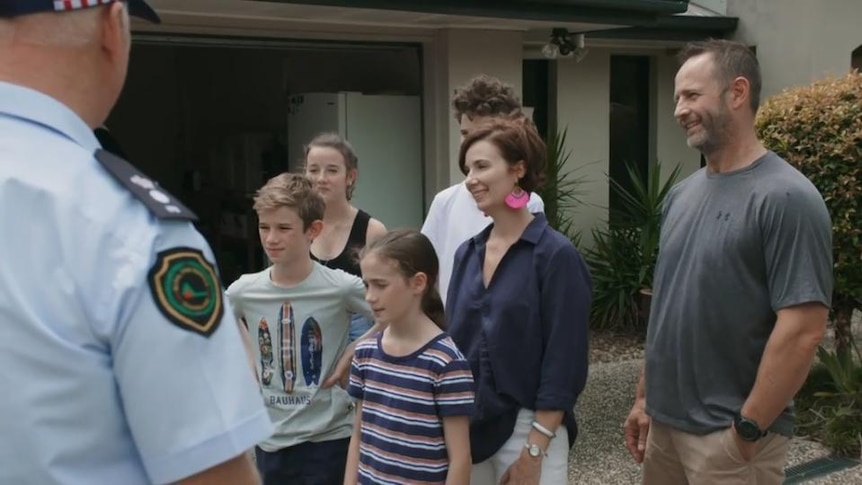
[517, 198]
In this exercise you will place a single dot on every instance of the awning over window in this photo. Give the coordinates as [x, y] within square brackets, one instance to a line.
[618, 12]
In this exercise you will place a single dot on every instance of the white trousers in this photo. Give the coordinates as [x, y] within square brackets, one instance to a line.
[555, 466]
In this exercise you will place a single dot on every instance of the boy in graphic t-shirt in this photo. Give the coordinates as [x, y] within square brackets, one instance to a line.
[298, 318]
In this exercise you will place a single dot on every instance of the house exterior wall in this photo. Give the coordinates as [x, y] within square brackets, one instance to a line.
[451, 60]
[584, 107]
[451, 57]
[799, 41]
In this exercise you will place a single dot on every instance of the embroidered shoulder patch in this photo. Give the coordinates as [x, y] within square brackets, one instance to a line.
[162, 204]
[186, 290]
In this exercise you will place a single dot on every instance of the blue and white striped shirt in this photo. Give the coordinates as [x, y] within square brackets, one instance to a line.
[404, 401]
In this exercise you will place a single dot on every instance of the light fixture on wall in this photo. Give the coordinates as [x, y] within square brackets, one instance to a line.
[566, 45]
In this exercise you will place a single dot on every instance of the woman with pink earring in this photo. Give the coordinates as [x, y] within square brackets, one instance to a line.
[517, 307]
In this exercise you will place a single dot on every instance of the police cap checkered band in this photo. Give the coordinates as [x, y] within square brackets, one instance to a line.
[14, 8]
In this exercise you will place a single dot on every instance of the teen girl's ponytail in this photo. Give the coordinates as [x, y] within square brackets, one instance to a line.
[432, 306]
[414, 253]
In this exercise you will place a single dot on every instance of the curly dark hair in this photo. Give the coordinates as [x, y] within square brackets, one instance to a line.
[485, 96]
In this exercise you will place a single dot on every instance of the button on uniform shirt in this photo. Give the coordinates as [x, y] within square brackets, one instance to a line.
[102, 383]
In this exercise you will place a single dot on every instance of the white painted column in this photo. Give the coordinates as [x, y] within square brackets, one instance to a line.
[450, 61]
[583, 106]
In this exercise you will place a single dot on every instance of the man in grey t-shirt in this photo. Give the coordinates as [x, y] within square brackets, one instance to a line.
[741, 291]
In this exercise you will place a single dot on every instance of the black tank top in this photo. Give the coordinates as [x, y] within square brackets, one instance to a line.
[348, 260]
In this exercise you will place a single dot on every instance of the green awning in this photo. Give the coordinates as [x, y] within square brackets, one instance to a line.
[675, 27]
[613, 12]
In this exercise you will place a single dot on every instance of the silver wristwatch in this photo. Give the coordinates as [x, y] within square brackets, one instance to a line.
[534, 450]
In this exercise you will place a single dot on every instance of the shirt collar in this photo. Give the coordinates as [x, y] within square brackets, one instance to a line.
[38, 108]
[532, 233]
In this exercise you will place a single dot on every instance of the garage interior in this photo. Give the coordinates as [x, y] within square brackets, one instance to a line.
[206, 117]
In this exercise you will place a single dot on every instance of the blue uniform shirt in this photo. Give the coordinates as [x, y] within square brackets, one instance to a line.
[99, 386]
[525, 335]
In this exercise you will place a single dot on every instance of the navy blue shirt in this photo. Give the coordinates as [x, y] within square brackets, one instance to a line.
[525, 335]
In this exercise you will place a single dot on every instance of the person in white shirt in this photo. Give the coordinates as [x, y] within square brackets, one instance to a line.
[453, 216]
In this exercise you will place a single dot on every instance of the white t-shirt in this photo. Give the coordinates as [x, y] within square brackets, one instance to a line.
[452, 219]
[297, 335]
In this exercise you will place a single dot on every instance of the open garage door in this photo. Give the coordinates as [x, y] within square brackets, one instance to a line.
[208, 117]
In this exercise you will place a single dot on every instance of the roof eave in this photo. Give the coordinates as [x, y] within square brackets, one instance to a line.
[615, 12]
[676, 27]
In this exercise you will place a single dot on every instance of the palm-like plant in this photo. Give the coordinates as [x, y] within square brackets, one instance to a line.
[622, 258]
[562, 190]
[641, 211]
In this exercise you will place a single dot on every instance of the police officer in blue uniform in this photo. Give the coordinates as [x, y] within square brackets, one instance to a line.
[121, 363]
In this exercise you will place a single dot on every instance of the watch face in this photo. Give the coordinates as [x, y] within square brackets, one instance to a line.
[747, 430]
[534, 450]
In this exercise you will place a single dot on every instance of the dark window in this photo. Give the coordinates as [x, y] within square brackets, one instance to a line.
[536, 91]
[629, 121]
[856, 59]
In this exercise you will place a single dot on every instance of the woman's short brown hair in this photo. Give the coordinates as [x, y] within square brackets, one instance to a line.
[517, 140]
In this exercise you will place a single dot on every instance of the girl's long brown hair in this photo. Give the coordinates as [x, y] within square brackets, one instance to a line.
[413, 253]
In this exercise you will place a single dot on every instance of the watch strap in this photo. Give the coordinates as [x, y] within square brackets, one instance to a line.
[741, 422]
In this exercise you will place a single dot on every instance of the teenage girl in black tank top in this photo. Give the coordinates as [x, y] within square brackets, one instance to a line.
[348, 259]
[332, 166]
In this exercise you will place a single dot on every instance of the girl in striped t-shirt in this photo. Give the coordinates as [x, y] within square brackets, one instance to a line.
[414, 390]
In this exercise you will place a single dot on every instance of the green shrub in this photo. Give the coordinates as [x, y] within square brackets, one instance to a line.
[818, 129]
[622, 258]
[562, 189]
[614, 266]
[829, 405]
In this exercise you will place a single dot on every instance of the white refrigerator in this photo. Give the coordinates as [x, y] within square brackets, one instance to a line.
[386, 133]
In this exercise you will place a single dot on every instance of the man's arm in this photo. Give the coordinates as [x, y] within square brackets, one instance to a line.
[636, 426]
[797, 250]
[786, 361]
[640, 392]
[237, 471]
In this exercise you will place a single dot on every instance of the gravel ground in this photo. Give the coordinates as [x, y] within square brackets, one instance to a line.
[616, 346]
[599, 456]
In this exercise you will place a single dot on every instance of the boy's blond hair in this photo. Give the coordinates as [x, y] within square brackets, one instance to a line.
[294, 191]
